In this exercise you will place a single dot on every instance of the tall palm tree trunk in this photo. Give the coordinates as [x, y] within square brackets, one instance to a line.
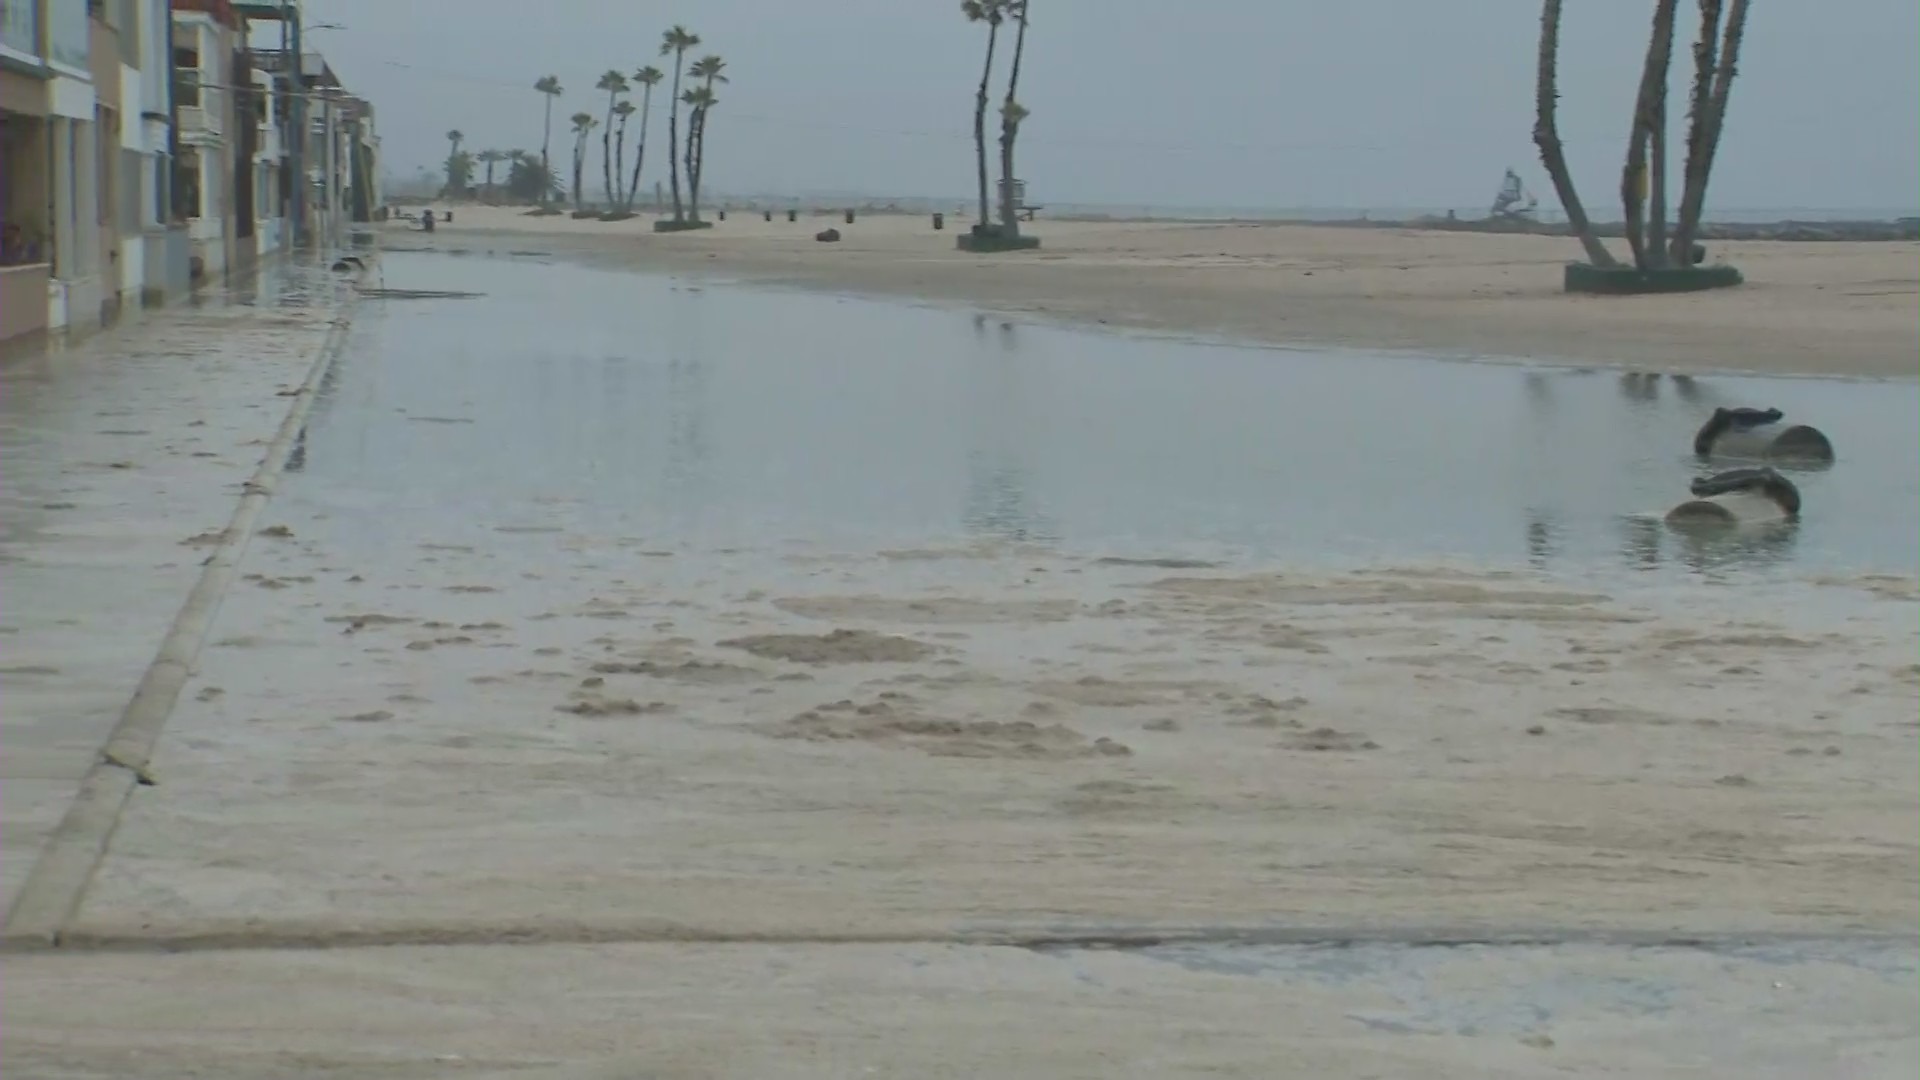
[1009, 128]
[692, 164]
[1634, 182]
[579, 170]
[639, 149]
[1657, 190]
[606, 151]
[1546, 135]
[980, 121]
[616, 196]
[673, 136]
[1704, 140]
[546, 141]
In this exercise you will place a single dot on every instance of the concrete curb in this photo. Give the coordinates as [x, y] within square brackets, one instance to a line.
[58, 881]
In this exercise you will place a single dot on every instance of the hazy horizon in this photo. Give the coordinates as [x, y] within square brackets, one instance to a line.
[1286, 104]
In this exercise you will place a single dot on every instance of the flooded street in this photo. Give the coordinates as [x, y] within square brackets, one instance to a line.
[843, 686]
[728, 416]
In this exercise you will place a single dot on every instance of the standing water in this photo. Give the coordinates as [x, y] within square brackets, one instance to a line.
[732, 416]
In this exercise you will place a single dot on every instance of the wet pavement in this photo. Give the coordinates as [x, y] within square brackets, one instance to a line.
[727, 416]
[116, 454]
[774, 1012]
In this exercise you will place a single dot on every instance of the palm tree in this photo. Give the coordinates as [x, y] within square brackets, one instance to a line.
[527, 183]
[676, 41]
[583, 125]
[1546, 135]
[993, 13]
[548, 87]
[614, 84]
[1649, 129]
[1011, 113]
[455, 183]
[699, 100]
[490, 158]
[1713, 80]
[616, 194]
[459, 174]
[646, 78]
[709, 70]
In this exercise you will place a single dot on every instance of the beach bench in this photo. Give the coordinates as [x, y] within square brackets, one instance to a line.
[1021, 208]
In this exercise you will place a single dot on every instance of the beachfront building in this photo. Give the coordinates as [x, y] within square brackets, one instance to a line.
[26, 186]
[152, 256]
[360, 160]
[143, 148]
[75, 287]
[268, 115]
[205, 34]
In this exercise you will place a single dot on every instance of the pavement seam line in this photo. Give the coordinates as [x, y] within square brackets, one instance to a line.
[55, 887]
[1119, 938]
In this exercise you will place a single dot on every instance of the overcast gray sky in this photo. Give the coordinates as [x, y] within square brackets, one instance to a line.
[1283, 103]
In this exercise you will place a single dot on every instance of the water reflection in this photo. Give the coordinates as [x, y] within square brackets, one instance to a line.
[1648, 543]
[999, 498]
[1542, 539]
[733, 415]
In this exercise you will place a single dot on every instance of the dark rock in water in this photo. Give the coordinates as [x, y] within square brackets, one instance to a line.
[828, 236]
[1724, 420]
[1762, 480]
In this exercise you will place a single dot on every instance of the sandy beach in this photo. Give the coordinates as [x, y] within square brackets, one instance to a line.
[1808, 308]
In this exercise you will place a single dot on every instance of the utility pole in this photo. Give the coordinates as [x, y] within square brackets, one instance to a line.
[297, 112]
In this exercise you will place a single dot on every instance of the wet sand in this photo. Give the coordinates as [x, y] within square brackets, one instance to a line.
[517, 731]
[1810, 308]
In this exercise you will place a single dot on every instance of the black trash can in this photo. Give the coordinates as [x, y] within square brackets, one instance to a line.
[793, 215]
[768, 214]
[939, 222]
[849, 217]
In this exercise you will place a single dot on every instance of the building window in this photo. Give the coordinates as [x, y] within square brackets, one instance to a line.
[129, 194]
[190, 181]
[186, 78]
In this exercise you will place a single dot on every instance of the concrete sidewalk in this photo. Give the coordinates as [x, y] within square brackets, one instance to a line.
[766, 1012]
[121, 456]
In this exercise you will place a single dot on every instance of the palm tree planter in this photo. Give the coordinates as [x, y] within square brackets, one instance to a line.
[988, 237]
[1660, 264]
[1582, 277]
